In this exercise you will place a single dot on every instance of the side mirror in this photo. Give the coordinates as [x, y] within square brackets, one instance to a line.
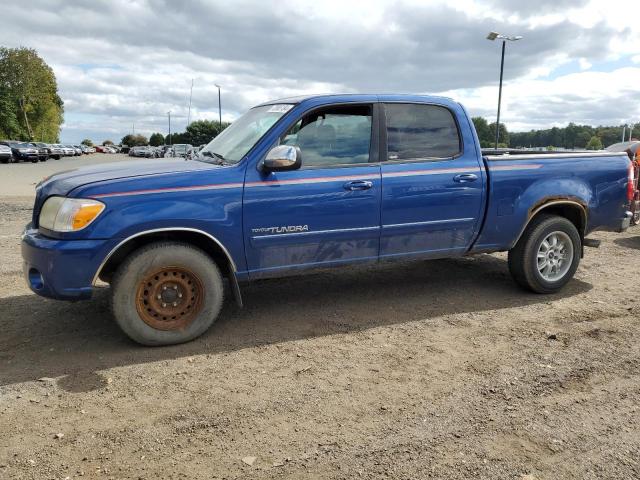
[282, 158]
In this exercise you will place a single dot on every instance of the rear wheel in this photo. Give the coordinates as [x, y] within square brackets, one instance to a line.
[166, 293]
[547, 255]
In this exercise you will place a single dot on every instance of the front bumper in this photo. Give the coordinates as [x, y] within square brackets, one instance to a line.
[26, 156]
[61, 269]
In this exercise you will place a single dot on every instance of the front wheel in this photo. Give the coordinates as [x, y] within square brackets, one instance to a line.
[166, 293]
[547, 255]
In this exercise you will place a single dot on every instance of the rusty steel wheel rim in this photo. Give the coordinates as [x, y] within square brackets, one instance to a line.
[169, 298]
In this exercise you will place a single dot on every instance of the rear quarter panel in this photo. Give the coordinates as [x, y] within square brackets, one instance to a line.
[519, 185]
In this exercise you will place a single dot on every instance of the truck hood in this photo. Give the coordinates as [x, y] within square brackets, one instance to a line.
[63, 182]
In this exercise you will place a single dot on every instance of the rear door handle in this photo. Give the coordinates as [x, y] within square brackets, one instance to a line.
[465, 178]
[358, 185]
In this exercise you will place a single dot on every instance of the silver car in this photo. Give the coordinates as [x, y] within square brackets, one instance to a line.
[5, 154]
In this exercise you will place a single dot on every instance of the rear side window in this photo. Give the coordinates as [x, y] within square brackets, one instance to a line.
[420, 132]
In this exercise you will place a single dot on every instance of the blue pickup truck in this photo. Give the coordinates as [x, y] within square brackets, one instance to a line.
[309, 182]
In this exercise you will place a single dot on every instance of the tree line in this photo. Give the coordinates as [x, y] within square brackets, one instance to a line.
[30, 107]
[572, 136]
[197, 133]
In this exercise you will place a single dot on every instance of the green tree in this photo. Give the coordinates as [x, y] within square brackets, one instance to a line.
[202, 131]
[134, 140]
[156, 139]
[87, 142]
[107, 142]
[30, 106]
[594, 143]
[504, 135]
[9, 125]
[482, 128]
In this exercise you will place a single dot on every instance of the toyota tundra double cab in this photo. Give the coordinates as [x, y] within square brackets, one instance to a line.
[313, 182]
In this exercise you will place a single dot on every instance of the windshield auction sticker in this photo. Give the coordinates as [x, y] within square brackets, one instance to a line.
[280, 108]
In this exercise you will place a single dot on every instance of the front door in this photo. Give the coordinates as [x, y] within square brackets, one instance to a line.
[328, 211]
[432, 187]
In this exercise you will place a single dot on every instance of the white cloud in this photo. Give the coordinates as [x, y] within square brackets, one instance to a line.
[120, 62]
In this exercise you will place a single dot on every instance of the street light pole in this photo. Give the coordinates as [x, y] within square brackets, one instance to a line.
[493, 36]
[190, 97]
[169, 114]
[504, 43]
[219, 106]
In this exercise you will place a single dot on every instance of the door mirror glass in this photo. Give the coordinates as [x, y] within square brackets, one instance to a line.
[283, 158]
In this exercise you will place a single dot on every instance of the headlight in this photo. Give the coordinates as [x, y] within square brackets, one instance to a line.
[62, 214]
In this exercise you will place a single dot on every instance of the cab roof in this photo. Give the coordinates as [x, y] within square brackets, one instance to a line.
[359, 97]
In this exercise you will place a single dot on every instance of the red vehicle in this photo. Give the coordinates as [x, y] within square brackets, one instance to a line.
[632, 148]
[99, 149]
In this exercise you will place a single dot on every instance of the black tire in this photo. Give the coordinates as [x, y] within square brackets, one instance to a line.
[34, 160]
[130, 294]
[5, 160]
[523, 258]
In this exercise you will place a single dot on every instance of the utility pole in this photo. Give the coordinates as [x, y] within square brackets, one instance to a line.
[624, 130]
[630, 132]
[169, 113]
[190, 96]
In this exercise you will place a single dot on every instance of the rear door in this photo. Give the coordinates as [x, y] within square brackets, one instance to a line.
[432, 182]
[328, 211]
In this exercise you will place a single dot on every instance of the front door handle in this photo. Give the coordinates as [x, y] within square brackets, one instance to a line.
[358, 185]
[465, 178]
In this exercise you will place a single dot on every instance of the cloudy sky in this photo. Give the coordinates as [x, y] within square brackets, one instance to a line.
[125, 62]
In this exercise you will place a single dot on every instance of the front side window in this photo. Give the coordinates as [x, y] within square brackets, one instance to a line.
[333, 136]
[420, 132]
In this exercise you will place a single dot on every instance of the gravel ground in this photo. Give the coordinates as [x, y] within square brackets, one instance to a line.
[440, 369]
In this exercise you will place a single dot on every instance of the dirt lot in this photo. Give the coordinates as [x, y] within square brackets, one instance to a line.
[438, 369]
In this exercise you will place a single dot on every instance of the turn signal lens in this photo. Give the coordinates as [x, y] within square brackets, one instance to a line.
[69, 214]
[85, 215]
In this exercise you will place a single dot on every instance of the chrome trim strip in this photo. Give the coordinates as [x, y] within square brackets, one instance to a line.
[532, 156]
[156, 230]
[531, 166]
[304, 181]
[430, 222]
[433, 171]
[339, 230]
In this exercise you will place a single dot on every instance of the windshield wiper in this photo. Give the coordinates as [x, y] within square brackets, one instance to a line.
[219, 159]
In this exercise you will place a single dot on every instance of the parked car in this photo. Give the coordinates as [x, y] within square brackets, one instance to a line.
[182, 150]
[313, 182]
[66, 151]
[166, 151]
[22, 151]
[5, 154]
[43, 150]
[55, 151]
[142, 151]
[632, 149]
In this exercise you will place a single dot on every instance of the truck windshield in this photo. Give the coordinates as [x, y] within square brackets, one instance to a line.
[237, 139]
